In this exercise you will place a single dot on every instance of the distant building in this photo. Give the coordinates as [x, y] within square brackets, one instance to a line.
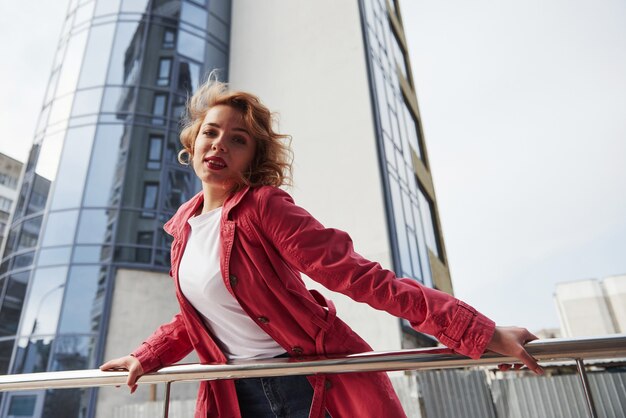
[592, 307]
[10, 170]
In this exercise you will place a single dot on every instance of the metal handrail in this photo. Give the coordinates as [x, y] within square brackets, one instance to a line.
[578, 349]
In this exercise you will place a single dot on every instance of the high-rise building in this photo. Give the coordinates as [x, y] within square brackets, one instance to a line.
[592, 307]
[85, 270]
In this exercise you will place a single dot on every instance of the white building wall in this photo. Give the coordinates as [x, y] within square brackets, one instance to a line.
[583, 309]
[306, 61]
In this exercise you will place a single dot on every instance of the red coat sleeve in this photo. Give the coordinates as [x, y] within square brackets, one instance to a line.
[167, 345]
[327, 256]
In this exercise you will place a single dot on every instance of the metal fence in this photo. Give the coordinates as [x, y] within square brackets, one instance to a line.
[578, 350]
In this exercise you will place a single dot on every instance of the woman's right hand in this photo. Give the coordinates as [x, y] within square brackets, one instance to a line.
[129, 363]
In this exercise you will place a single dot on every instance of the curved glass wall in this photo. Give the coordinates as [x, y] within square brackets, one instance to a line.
[399, 136]
[101, 177]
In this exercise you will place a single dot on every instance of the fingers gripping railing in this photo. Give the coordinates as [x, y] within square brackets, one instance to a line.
[420, 359]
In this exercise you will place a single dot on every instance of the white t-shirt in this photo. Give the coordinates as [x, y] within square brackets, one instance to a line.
[201, 282]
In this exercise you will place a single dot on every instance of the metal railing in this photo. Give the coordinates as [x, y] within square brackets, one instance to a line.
[578, 350]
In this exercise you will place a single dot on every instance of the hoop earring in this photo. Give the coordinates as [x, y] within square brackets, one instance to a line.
[184, 157]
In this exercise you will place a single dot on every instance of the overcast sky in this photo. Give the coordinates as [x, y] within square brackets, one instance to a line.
[523, 106]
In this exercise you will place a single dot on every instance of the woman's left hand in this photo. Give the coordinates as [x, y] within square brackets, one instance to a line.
[509, 341]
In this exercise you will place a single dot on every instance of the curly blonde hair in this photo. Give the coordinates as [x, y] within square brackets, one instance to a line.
[272, 162]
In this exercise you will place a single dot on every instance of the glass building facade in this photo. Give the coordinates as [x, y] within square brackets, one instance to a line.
[100, 181]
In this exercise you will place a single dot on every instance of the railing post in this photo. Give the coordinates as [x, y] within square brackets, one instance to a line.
[591, 408]
[166, 400]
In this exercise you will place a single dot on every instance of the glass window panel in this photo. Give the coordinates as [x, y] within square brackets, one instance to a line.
[86, 102]
[188, 76]
[395, 132]
[401, 235]
[130, 222]
[95, 226]
[11, 244]
[22, 405]
[73, 352]
[401, 166]
[104, 7]
[216, 58]
[159, 106]
[173, 147]
[52, 84]
[81, 314]
[60, 228]
[60, 109]
[6, 349]
[381, 99]
[165, 68]
[69, 185]
[412, 131]
[44, 301]
[72, 63]
[428, 221]
[66, 403]
[190, 45]
[150, 192]
[422, 248]
[91, 254]
[193, 14]
[13, 303]
[155, 152]
[84, 13]
[97, 53]
[30, 233]
[32, 355]
[134, 6]
[49, 157]
[221, 9]
[54, 256]
[99, 190]
[178, 189]
[118, 67]
[415, 261]
[23, 260]
[133, 255]
[218, 29]
[169, 38]
[38, 195]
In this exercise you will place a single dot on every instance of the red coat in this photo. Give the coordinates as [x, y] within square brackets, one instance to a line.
[266, 241]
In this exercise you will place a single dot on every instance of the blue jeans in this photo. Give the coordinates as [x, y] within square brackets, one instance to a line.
[272, 397]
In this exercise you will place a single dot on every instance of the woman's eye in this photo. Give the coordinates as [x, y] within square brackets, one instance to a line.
[210, 133]
[239, 140]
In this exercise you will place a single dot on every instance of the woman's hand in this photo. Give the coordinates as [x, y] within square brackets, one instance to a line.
[129, 363]
[509, 341]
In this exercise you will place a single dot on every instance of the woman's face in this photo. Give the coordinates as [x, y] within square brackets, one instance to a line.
[223, 149]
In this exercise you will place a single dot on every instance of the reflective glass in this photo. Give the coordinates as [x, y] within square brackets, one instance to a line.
[84, 13]
[221, 9]
[91, 254]
[104, 7]
[49, 157]
[44, 301]
[132, 255]
[71, 63]
[86, 102]
[412, 131]
[80, 313]
[32, 355]
[218, 29]
[23, 260]
[66, 403]
[131, 222]
[169, 37]
[73, 352]
[195, 15]
[13, 303]
[422, 248]
[401, 235]
[178, 189]
[6, 349]
[155, 152]
[11, 244]
[188, 76]
[173, 147]
[104, 166]
[119, 68]
[118, 100]
[95, 226]
[60, 109]
[216, 58]
[428, 220]
[97, 53]
[69, 185]
[417, 272]
[134, 6]
[60, 228]
[190, 45]
[38, 195]
[30, 233]
[54, 256]
[165, 68]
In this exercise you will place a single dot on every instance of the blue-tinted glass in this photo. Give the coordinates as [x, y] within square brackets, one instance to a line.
[104, 7]
[134, 6]
[73, 352]
[23, 260]
[60, 228]
[165, 67]
[86, 102]
[54, 256]
[99, 190]
[38, 195]
[401, 235]
[216, 58]
[195, 15]
[169, 37]
[80, 313]
[190, 45]
[6, 348]
[415, 261]
[95, 226]
[119, 68]
[22, 405]
[30, 233]
[44, 301]
[73, 167]
[218, 29]
[12, 303]
[91, 254]
[72, 63]
[97, 53]
[150, 192]
[188, 76]
[32, 355]
[132, 255]
[49, 156]
[221, 9]
[66, 403]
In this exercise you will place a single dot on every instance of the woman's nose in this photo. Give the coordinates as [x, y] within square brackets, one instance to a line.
[219, 143]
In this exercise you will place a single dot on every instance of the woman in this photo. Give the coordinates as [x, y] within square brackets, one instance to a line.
[239, 247]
